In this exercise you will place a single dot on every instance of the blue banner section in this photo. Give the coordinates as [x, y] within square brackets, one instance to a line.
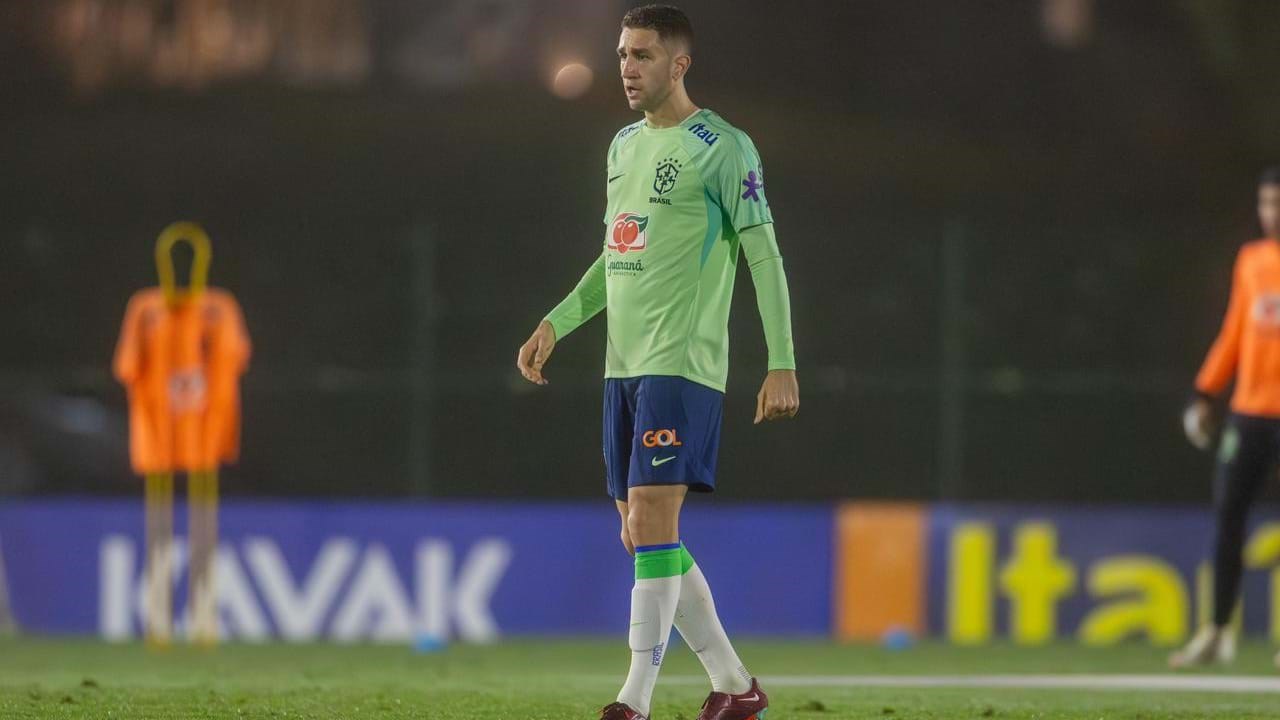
[1100, 575]
[393, 572]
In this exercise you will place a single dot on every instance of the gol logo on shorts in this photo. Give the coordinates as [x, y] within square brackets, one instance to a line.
[660, 438]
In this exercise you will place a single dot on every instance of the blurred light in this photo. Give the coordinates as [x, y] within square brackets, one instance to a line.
[572, 81]
[193, 43]
[1067, 23]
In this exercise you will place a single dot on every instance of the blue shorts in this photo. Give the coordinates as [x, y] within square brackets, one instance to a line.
[660, 430]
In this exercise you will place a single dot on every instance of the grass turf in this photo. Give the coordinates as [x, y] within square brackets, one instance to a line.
[561, 679]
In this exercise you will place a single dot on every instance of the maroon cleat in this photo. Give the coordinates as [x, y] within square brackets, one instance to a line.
[620, 711]
[750, 705]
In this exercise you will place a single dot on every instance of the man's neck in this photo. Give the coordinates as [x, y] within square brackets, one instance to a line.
[674, 111]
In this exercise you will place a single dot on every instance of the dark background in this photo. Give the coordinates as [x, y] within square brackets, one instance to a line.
[1008, 241]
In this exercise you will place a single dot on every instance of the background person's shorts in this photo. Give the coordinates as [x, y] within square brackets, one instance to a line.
[660, 430]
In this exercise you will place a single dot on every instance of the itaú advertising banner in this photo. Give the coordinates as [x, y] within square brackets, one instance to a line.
[1100, 575]
[979, 573]
[394, 572]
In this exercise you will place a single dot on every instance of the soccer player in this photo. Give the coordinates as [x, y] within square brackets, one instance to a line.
[1247, 349]
[685, 196]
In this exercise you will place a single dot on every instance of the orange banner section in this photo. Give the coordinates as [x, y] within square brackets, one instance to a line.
[879, 569]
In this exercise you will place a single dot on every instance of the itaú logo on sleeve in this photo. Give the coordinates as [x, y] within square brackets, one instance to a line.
[627, 232]
[660, 438]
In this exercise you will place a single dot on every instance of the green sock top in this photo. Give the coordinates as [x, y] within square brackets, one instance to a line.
[655, 561]
[686, 560]
[658, 563]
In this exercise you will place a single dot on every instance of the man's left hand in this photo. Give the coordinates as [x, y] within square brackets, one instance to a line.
[779, 396]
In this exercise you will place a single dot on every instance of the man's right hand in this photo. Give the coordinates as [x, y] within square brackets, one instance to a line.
[1198, 422]
[535, 353]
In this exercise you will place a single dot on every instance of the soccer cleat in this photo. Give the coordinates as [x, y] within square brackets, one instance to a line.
[1211, 645]
[750, 705]
[620, 711]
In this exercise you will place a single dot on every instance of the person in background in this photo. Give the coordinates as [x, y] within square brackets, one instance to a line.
[1248, 351]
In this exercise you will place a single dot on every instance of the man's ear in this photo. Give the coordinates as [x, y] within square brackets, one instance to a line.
[682, 63]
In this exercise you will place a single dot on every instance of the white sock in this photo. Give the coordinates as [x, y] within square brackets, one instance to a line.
[653, 607]
[700, 627]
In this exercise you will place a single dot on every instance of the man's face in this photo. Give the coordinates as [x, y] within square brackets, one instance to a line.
[647, 68]
[1269, 209]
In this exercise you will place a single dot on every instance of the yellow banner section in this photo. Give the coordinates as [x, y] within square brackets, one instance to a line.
[1104, 598]
[880, 569]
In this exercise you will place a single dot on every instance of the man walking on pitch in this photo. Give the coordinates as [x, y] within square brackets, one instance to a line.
[685, 193]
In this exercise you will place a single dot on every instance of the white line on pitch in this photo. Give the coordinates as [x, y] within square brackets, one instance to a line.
[1196, 683]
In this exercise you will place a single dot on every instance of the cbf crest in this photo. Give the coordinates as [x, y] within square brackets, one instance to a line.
[664, 178]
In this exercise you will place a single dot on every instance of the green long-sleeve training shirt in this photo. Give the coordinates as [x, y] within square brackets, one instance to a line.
[681, 201]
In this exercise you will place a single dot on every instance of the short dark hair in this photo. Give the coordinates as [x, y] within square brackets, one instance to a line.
[668, 21]
[1270, 176]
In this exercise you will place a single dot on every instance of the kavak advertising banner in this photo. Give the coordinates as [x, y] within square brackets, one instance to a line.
[394, 572]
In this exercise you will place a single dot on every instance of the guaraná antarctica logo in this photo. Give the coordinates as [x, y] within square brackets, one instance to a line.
[627, 235]
[627, 232]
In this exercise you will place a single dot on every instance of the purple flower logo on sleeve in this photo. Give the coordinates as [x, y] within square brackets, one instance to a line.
[753, 183]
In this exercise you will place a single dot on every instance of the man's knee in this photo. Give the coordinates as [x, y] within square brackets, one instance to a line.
[641, 515]
[623, 512]
[653, 513]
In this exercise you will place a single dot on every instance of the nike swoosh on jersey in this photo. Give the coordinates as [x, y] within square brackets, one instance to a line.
[615, 177]
[656, 462]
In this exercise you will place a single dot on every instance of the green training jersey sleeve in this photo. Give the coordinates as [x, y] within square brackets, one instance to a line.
[760, 248]
[586, 300]
[678, 201]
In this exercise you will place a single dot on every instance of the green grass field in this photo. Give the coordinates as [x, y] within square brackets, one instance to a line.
[561, 679]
